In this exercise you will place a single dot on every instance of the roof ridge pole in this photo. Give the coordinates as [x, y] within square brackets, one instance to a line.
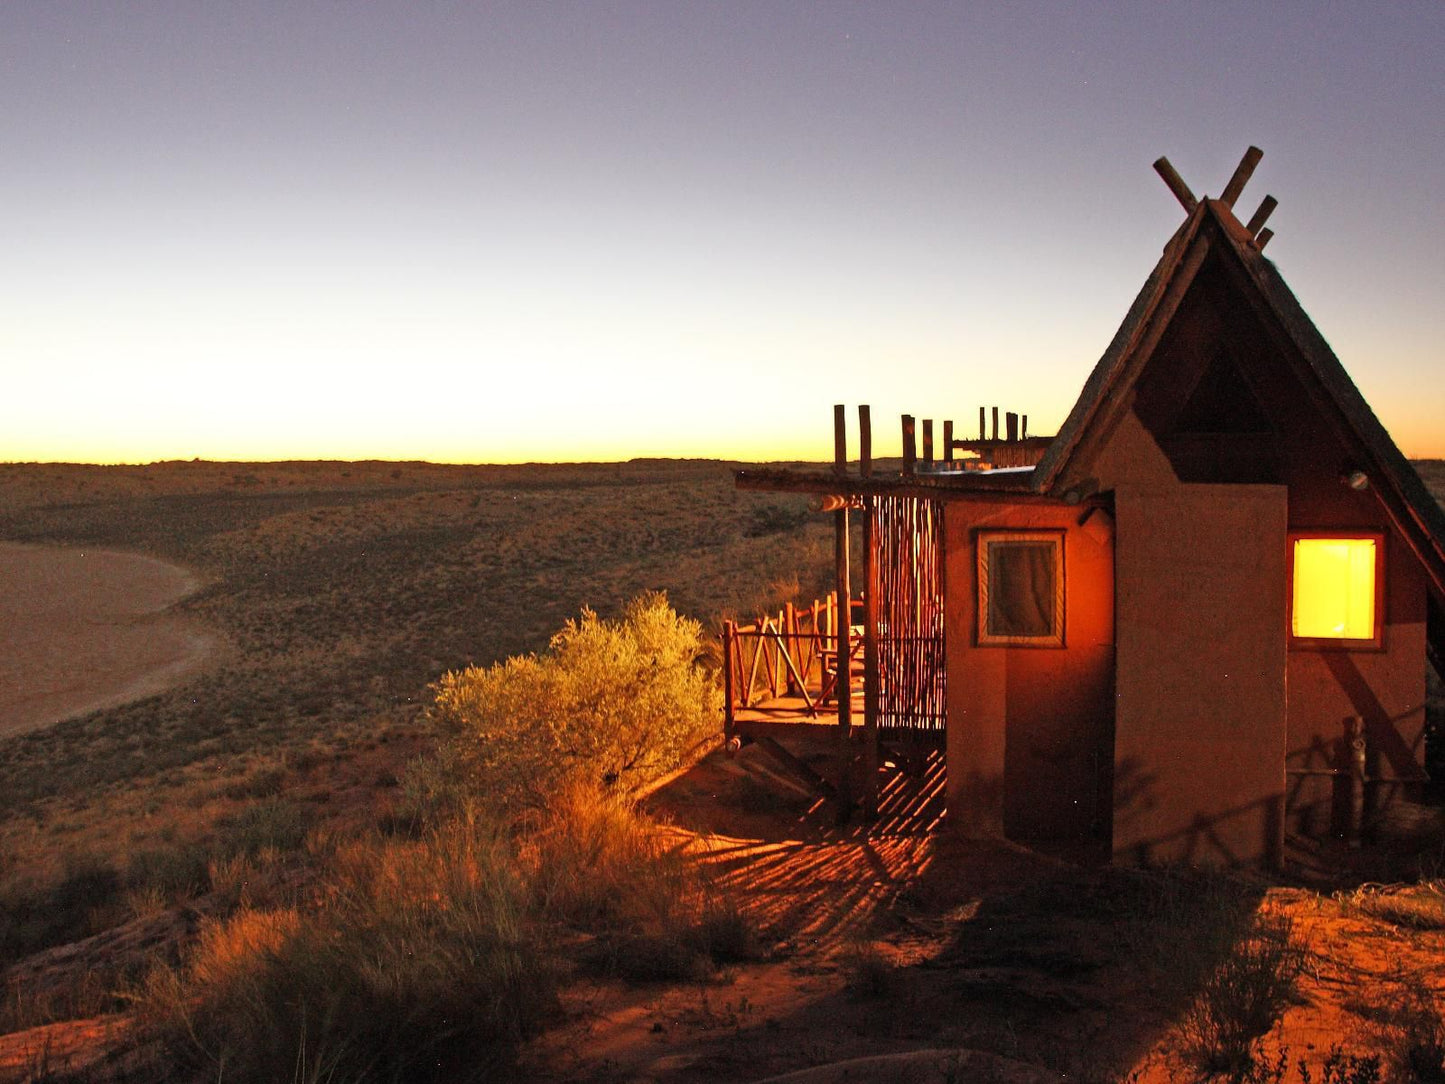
[1176, 185]
[1242, 174]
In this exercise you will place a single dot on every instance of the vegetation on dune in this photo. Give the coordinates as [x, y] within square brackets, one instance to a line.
[432, 958]
[614, 703]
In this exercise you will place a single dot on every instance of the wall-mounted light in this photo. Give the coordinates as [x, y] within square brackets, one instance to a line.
[1357, 480]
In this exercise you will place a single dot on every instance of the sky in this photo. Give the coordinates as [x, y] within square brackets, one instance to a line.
[493, 232]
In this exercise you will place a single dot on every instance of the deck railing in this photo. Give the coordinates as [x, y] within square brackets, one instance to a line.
[790, 654]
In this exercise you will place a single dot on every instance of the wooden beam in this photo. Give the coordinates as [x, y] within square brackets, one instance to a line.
[1024, 428]
[1242, 173]
[975, 486]
[1261, 216]
[865, 441]
[910, 453]
[1011, 422]
[795, 764]
[981, 432]
[995, 423]
[928, 440]
[1176, 185]
[948, 441]
[840, 440]
[1263, 238]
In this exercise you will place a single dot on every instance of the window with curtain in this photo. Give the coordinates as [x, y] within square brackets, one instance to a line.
[1021, 588]
[1335, 588]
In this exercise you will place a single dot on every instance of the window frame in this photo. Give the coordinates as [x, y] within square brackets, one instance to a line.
[1055, 639]
[1376, 641]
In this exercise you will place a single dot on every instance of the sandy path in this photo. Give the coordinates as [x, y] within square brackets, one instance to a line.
[82, 629]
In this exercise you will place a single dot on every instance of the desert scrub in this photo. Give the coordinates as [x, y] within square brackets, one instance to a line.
[1242, 997]
[595, 865]
[614, 703]
[420, 965]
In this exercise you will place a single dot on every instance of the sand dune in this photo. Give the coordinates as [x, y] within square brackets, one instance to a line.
[82, 629]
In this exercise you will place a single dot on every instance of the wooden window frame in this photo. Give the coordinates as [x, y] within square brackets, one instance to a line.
[1375, 642]
[982, 538]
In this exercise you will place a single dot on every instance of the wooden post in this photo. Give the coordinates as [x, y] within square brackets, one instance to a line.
[947, 444]
[1261, 216]
[995, 423]
[790, 646]
[840, 440]
[1011, 421]
[870, 658]
[1024, 427]
[730, 633]
[865, 441]
[840, 554]
[1176, 185]
[981, 430]
[909, 452]
[1355, 733]
[1242, 173]
[1262, 238]
[928, 440]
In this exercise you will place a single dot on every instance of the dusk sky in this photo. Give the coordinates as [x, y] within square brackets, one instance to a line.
[506, 232]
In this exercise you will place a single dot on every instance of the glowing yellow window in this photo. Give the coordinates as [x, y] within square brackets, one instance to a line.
[1336, 589]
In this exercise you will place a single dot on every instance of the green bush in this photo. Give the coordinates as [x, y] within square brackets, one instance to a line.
[614, 703]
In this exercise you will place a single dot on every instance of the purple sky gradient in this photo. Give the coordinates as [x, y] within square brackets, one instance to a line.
[598, 230]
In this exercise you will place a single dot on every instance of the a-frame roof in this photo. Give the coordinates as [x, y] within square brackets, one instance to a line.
[1212, 227]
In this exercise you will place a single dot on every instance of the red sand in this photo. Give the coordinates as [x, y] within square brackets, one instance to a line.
[82, 629]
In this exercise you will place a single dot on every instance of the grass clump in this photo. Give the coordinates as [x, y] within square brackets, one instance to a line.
[1412, 907]
[598, 867]
[612, 703]
[420, 966]
[433, 958]
[1242, 998]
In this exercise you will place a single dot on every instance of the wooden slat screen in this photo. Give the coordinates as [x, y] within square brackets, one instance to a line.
[908, 558]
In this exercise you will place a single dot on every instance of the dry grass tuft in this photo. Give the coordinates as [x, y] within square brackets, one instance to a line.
[1412, 907]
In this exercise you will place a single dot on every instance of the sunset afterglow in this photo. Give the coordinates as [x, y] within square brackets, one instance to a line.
[516, 232]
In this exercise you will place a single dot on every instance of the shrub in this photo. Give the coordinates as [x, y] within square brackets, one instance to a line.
[1242, 997]
[615, 703]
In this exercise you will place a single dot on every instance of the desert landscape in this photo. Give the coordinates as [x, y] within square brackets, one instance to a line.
[277, 671]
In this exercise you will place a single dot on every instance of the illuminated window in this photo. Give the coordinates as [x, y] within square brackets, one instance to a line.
[1335, 592]
[1021, 588]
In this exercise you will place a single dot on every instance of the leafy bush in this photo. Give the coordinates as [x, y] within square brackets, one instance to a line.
[615, 703]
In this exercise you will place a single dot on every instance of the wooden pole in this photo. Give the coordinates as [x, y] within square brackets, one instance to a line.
[909, 452]
[1242, 174]
[1024, 427]
[840, 440]
[840, 554]
[730, 634]
[995, 423]
[1263, 238]
[947, 444]
[865, 441]
[980, 423]
[1261, 216]
[1011, 420]
[870, 658]
[928, 440]
[1176, 185]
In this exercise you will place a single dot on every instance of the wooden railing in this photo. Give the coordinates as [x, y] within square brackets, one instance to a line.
[792, 653]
